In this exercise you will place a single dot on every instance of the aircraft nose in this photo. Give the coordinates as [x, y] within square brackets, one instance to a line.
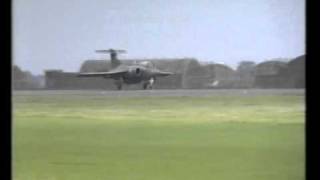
[135, 71]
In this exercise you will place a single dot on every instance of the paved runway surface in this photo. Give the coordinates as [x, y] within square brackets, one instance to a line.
[159, 93]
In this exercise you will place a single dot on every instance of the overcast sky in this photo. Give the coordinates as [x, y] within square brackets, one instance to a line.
[61, 34]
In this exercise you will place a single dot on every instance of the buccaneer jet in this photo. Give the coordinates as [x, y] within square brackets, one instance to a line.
[145, 72]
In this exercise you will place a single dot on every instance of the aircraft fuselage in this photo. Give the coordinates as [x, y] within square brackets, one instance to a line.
[137, 74]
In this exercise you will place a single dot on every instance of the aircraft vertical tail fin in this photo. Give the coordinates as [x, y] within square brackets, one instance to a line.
[114, 60]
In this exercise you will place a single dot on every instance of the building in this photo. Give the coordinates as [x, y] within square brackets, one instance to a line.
[224, 76]
[245, 74]
[272, 74]
[279, 74]
[296, 70]
[24, 80]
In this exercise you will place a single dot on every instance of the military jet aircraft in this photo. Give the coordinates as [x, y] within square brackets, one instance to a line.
[144, 72]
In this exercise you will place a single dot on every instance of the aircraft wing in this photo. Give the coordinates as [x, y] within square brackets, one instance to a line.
[109, 74]
[162, 73]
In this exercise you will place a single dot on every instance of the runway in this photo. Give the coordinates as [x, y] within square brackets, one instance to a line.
[166, 93]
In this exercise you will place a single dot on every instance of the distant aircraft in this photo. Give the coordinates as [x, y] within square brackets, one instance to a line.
[144, 72]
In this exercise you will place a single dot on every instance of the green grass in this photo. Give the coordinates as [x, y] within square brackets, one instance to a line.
[158, 138]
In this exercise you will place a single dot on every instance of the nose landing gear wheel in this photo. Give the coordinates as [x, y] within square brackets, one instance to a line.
[151, 81]
[145, 85]
[148, 84]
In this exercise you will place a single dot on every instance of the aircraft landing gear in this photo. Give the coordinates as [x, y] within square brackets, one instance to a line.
[148, 84]
[119, 84]
[145, 86]
[151, 81]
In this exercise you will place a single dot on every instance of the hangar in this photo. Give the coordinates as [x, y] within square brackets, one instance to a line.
[278, 74]
[190, 74]
[296, 69]
[271, 74]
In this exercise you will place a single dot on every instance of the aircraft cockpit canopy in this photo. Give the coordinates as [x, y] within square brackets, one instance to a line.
[147, 64]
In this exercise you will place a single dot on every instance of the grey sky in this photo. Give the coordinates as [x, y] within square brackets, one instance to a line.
[61, 34]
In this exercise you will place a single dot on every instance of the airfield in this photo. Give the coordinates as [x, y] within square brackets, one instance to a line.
[166, 93]
[254, 134]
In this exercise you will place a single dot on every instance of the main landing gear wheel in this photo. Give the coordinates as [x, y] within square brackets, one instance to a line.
[119, 83]
[119, 86]
[145, 86]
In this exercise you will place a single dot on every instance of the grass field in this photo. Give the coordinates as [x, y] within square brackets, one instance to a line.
[158, 138]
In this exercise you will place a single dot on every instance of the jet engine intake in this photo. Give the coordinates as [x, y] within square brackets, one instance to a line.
[138, 71]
